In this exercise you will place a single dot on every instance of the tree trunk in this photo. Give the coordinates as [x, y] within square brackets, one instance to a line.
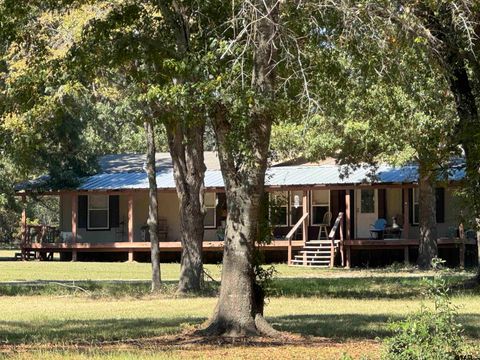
[185, 140]
[243, 154]
[152, 205]
[453, 60]
[186, 148]
[427, 217]
[239, 311]
[468, 132]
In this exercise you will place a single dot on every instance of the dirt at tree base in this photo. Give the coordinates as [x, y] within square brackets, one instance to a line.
[190, 345]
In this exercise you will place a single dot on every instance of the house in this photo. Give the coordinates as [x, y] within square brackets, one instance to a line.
[107, 213]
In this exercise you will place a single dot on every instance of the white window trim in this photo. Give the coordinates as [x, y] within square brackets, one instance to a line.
[414, 191]
[214, 207]
[108, 214]
[312, 205]
[287, 206]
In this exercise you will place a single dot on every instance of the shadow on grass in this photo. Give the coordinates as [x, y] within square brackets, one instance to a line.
[401, 287]
[105, 288]
[356, 326]
[337, 327]
[91, 331]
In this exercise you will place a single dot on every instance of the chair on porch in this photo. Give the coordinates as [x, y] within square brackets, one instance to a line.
[327, 218]
[377, 229]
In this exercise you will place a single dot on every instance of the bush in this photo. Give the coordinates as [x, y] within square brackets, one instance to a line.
[430, 334]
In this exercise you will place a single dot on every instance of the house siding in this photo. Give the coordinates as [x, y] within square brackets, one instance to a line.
[169, 209]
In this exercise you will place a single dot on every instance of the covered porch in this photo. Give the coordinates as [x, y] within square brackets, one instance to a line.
[115, 221]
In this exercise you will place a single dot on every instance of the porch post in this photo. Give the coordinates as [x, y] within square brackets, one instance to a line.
[24, 226]
[74, 225]
[461, 249]
[406, 210]
[305, 221]
[130, 226]
[347, 214]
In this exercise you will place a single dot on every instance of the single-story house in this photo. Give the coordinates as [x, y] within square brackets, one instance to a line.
[107, 212]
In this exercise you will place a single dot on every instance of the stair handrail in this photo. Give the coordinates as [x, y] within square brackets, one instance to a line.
[331, 236]
[290, 235]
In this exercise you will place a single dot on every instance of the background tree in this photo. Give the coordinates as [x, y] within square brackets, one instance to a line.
[447, 32]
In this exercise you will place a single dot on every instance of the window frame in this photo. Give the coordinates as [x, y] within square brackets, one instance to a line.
[312, 205]
[374, 199]
[286, 206]
[89, 210]
[214, 207]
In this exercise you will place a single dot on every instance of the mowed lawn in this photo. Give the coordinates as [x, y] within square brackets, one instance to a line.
[336, 312]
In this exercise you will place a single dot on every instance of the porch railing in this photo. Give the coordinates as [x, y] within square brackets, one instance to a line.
[337, 225]
[302, 220]
[39, 234]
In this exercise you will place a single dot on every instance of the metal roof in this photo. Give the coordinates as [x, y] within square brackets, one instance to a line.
[276, 176]
[121, 163]
[125, 171]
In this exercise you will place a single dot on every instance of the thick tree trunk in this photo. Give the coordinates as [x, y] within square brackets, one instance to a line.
[243, 153]
[152, 205]
[186, 148]
[239, 310]
[427, 217]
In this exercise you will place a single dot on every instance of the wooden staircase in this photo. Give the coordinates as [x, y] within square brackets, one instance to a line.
[317, 253]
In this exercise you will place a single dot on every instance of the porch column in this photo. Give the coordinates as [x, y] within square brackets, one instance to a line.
[74, 224]
[130, 226]
[406, 210]
[305, 221]
[24, 225]
[347, 214]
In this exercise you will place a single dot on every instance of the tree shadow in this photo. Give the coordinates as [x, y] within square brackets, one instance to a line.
[355, 326]
[402, 287]
[340, 327]
[91, 331]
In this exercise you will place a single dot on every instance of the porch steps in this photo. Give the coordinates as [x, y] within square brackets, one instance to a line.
[315, 253]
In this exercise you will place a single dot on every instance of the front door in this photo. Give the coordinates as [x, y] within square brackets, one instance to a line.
[366, 201]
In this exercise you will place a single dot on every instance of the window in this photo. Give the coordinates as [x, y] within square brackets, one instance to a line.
[296, 206]
[320, 205]
[367, 201]
[279, 208]
[98, 212]
[415, 207]
[210, 219]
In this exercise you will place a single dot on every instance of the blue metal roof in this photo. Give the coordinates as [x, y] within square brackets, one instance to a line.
[276, 176]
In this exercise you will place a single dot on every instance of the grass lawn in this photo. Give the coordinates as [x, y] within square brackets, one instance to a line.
[58, 270]
[338, 311]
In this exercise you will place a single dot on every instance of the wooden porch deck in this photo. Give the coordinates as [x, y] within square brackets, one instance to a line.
[405, 245]
[276, 245]
[169, 246]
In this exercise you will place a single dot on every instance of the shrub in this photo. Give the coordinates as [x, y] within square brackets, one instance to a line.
[430, 334]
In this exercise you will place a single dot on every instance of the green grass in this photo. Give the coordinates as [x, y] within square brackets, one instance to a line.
[57, 270]
[84, 320]
[345, 306]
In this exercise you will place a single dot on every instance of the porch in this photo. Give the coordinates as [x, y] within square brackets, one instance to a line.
[117, 223]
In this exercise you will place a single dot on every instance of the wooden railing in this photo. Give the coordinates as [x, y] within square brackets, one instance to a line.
[39, 234]
[337, 225]
[302, 220]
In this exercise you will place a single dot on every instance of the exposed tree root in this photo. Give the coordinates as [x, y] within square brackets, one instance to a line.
[258, 327]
